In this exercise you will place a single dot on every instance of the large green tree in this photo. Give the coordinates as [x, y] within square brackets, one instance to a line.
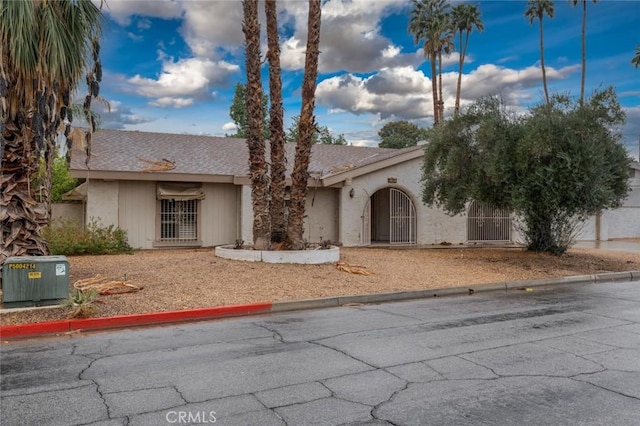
[553, 167]
[321, 134]
[464, 17]
[537, 9]
[238, 112]
[636, 59]
[574, 3]
[400, 134]
[46, 49]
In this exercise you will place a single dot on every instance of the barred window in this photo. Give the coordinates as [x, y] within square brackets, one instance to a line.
[178, 220]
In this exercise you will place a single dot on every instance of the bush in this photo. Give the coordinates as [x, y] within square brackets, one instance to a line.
[68, 238]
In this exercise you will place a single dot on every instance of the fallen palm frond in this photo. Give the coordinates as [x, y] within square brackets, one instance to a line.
[352, 269]
[105, 287]
[158, 166]
[344, 168]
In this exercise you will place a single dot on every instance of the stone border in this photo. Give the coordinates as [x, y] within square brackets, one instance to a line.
[304, 257]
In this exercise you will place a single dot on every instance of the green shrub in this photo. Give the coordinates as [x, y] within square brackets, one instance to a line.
[68, 238]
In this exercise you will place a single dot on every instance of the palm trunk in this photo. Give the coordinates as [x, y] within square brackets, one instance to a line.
[440, 100]
[434, 89]
[463, 54]
[300, 175]
[584, 49]
[21, 214]
[544, 72]
[255, 140]
[276, 125]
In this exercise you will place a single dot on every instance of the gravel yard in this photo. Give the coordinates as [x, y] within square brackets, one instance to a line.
[185, 279]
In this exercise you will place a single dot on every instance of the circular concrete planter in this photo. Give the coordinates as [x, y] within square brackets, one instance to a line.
[307, 257]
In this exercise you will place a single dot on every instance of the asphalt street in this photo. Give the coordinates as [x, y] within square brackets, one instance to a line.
[562, 356]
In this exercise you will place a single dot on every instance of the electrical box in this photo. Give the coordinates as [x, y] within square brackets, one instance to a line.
[34, 280]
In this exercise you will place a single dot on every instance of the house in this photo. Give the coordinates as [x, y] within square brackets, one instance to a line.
[171, 190]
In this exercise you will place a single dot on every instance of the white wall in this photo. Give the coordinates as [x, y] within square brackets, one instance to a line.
[102, 204]
[137, 212]
[321, 210]
[219, 214]
[434, 225]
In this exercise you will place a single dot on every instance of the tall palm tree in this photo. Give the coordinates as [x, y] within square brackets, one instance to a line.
[276, 124]
[255, 141]
[46, 48]
[445, 46]
[426, 21]
[636, 59]
[465, 17]
[574, 3]
[536, 9]
[300, 174]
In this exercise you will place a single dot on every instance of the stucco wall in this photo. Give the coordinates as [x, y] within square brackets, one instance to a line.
[434, 226]
[623, 222]
[67, 212]
[219, 214]
[321, 209]
[137, 212]
[102, 204]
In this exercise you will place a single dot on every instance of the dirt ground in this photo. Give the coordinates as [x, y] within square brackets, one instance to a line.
[185, 279]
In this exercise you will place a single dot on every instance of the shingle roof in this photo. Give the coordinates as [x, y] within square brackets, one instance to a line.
[132, 151]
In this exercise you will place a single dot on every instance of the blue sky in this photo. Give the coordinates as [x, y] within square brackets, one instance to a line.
[171, 66]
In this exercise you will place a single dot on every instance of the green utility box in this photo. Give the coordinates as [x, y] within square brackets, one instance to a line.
[34, 281]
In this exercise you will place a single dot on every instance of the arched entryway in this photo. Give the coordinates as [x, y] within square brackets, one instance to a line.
[389, 218]
[488, 224]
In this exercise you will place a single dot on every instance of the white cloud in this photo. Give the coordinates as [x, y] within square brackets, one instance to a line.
[186, 78]
[350, 38]
[117, 117]
[228, 127]
[405, 93]
[166, 102]
[122, 11]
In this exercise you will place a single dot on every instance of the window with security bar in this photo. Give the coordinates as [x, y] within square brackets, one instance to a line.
[178, 220]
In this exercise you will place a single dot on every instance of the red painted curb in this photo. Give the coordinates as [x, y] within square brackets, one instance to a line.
[51, 327]
[64, 326]
[171, 316]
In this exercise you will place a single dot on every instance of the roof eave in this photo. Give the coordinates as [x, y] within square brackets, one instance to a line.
[372, 167]
[149, 176]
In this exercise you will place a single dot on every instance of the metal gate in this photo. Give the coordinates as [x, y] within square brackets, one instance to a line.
[487, 223]
[402, 218]
[365, 232]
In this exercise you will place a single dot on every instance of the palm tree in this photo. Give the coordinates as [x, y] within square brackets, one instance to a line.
[446, 46]
[536, 9]
[574, 3]
[464, 17]
[300, 174]
[427, 24]
[46, 48]
[276, 124]
[636, 59]
[255, 141]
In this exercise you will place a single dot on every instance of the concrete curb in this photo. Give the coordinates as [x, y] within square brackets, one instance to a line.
[76, 325]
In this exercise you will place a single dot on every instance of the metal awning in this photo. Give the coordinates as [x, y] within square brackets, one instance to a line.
[179, 191]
